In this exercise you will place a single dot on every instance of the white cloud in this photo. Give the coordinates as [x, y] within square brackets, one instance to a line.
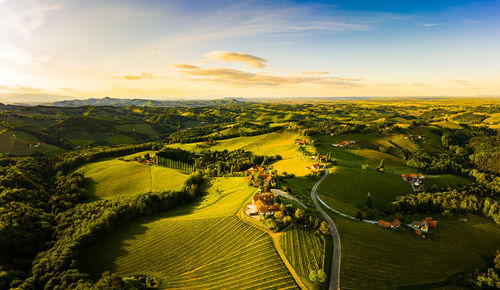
[16, 55]
[250, 60]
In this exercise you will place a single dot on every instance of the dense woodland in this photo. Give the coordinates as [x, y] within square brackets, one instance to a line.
[218, 163]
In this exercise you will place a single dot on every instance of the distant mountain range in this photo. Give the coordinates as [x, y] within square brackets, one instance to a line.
[117, 102]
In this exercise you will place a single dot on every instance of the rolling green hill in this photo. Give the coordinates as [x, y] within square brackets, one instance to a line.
[202, 246]
[114, 177]
[17, 143]
[376, 258]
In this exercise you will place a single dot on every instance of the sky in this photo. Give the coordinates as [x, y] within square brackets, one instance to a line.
[52, 50]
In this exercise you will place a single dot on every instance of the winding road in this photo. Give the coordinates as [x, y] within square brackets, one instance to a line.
[335, 274]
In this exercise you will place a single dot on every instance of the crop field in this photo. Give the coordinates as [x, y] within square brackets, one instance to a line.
[16, 142]
[200, 246]
[304, 249]
[113, 177]
[376, 258]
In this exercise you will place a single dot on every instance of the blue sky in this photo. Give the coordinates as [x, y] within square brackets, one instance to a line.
[196, 49]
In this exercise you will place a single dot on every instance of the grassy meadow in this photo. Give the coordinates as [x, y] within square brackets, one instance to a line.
[111, 178]
[197, 246]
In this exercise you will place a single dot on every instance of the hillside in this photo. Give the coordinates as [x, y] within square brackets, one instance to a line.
[113, 178]
[197, 247]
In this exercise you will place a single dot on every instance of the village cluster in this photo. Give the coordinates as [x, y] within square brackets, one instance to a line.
[420, 228]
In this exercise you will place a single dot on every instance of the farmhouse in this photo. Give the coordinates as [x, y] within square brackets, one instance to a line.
[316, 166]
[344, 143]
[264, 203]
[255, 169]
[389, 225]
[424, 225]
[414, 179]
[34, 145]
[301, 142]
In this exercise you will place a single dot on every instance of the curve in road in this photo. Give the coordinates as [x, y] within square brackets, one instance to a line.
[335, 273]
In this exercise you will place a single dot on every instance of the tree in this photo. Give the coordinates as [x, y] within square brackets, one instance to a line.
[313, 276]
[299, 214]
[369, 200]
[359, 215]
[321, 276]
[324, 228]
[380, 167]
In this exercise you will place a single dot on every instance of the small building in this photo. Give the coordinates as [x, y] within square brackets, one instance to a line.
[344, 143]
[389, 225]
[383, 224]
[396, 223]
[301, 142]
[34, 144]
[316, 166]
[255, 169]
[264, 203]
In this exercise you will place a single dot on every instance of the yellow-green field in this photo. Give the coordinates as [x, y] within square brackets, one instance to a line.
[201, 246]
[114, 177]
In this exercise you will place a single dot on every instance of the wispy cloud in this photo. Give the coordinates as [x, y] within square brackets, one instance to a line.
[132, 77]
[401, 84]
[236, 77]
[250, 60]
[470, 21]
[244, 20]
[24, 16]
[429, 24]
[315, 72]
[462, 82]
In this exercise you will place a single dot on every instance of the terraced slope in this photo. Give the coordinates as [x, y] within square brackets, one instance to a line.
[203, 246]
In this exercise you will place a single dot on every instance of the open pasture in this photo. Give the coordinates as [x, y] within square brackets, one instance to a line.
[110, 178]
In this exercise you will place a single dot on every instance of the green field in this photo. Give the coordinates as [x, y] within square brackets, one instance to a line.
[201, 246]
[304, 249]
[376, 258]
[351, 185]
[113, 177]
[16, 143]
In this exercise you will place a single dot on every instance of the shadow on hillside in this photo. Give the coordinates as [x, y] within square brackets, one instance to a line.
[90, 186]
[104, 255]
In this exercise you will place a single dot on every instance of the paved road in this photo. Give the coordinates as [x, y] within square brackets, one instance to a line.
[335, 274]
[283, 193]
